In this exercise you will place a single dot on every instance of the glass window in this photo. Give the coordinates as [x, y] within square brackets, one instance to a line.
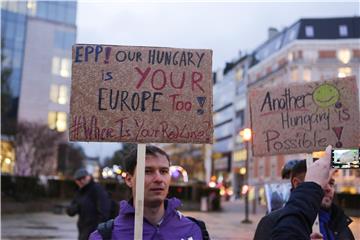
[57, 121]
[20, 32]
[52, 120]
[54, 93]
[55, 66]
[239, 119]
[42, 9]
[62, 95]
[344, 55]
[309, 31]
[71, 15]
[290, 56]
[17, 59]
[31, 7]
[294, 74]
[10, 33]
[343, 30]
[310, 55]
[9, 43]
[307, 74]
[239, 74]
[344, 72]
[21, 7]
[65, 67]
[52, 11]
[60, 12]
[61, 122]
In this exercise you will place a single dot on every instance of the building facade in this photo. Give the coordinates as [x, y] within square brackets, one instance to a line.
[36, 67]
[309, 50]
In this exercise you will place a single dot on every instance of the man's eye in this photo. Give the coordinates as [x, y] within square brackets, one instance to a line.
[164, 171]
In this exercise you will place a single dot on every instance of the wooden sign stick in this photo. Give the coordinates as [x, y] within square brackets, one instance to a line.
[139, 198]
[316, 225]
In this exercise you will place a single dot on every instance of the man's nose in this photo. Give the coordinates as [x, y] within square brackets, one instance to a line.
[158, 177]
[327, 188]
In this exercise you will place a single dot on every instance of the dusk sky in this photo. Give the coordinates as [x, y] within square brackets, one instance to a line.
[225, 27]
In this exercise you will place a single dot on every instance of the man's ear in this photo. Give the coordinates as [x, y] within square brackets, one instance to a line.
[128, 179]
[295, 182]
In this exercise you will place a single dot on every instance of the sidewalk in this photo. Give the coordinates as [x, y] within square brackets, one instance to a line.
[225, 225]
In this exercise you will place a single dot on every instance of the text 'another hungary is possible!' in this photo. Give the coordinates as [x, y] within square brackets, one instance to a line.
[141, 94]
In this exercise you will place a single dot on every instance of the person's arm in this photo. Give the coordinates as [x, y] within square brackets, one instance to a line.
[304, 203]
[73, 209]
[102, 204]
[299, 213]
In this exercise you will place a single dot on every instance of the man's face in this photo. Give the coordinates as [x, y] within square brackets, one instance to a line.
[157, 180]
[81, 182]
[329, 191]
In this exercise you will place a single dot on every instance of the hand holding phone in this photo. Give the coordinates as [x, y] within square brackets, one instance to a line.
[345, 158]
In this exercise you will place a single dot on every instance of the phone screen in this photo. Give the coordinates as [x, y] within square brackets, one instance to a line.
[345, 158]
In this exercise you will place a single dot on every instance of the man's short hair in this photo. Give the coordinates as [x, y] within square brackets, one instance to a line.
[299, 168]
[131, 159]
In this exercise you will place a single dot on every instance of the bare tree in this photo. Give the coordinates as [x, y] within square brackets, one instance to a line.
[36, 149]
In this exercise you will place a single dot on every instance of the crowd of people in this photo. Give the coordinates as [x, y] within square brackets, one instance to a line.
[311, 196]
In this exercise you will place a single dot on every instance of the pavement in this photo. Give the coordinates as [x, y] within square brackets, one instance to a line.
[224, 225]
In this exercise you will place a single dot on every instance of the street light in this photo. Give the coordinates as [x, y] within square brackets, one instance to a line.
[246, 136]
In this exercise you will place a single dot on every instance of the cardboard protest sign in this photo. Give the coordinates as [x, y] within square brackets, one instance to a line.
[305, 118]
[141, 94]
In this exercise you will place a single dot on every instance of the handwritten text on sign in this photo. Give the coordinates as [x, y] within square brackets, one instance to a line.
[141, 94]
[305, 118]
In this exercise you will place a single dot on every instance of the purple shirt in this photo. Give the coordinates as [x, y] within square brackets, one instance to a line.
[174, 225]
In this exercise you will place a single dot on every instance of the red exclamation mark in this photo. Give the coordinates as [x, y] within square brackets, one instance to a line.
[338, 132]
[107, 54]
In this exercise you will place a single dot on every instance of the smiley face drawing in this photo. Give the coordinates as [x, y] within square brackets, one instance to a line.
[326, 95]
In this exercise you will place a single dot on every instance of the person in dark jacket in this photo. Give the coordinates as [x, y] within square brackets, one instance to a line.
[91, 203]
[162, 220]
[333, 222]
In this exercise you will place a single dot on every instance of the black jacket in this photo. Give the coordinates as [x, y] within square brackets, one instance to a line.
[296, 217]
[92, 203]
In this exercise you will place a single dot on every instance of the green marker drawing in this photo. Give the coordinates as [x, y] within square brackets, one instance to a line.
[326, 95]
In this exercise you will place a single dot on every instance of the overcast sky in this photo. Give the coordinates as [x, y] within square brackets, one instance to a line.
[226, 28]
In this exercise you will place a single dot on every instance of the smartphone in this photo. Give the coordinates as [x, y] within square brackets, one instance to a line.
[345, 158]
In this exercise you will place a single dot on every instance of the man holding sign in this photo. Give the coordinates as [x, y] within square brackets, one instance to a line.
[161, 218]
[143, 95]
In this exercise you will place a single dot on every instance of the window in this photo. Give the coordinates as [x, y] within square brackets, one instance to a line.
[57, 121]
[310, 55]
[61, 67]
[307, 74]
[344, 72]
[31, 7]
[290, 56]
[65, 67]
[294, 74]
[309, 31]
[344, 55]
[343, 31]
[58, 94]
[239, 74]
[240, 119]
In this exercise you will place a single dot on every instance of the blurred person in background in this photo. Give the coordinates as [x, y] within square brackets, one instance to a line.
[91, 203]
